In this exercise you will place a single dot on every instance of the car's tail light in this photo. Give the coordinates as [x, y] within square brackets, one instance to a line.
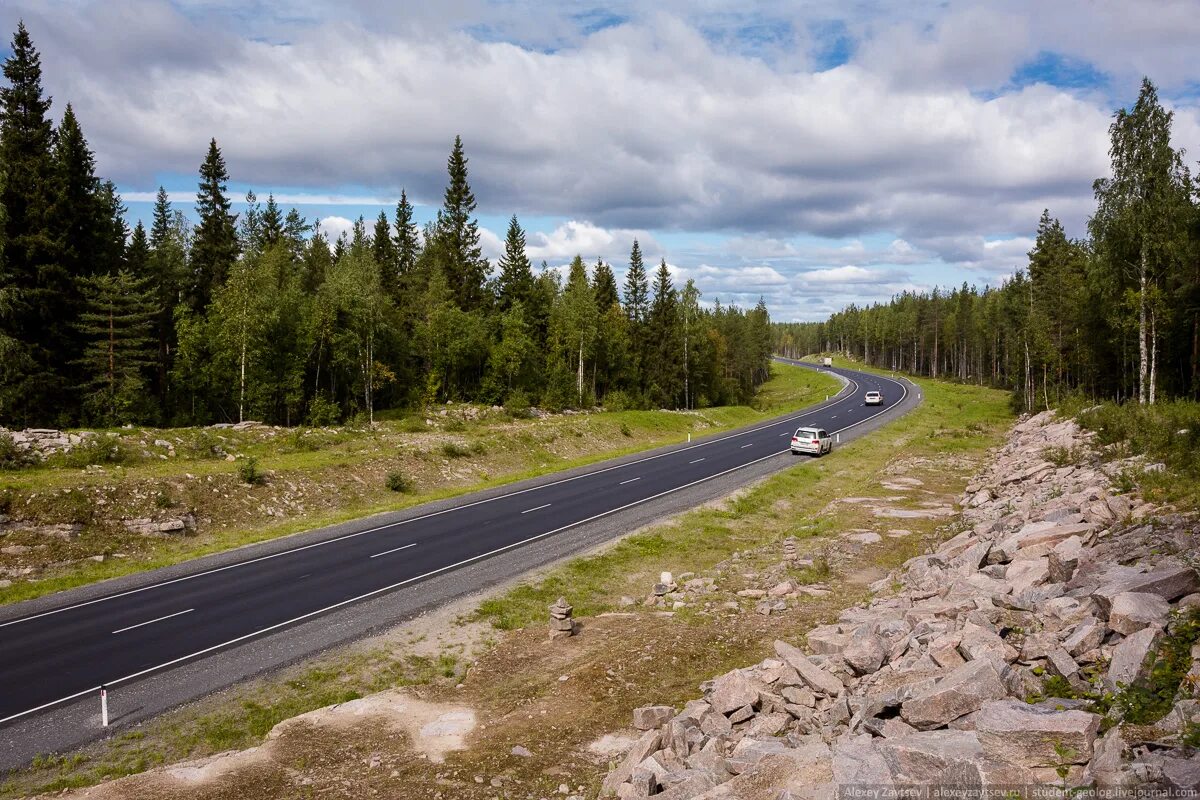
[815, 441]
[795, 439]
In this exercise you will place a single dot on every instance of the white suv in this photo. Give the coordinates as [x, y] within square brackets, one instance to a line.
[873, 399]
[813, 441]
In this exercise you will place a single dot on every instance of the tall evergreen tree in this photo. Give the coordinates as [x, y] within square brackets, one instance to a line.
[515, 281]
[214, 244]
[118, 331]
[41, 295]
[75, 211]
[384, 250]
[137, 255]
[664, 362]
[637, 287]
[604, 286]
[458, 234]
[408, 245]
[272, 222]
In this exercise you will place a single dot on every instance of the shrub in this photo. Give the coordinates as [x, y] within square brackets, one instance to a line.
[454, 425]
[625, 431]
[12, 456]
[455, 450]
[517, 404]
[1149, 699]
[399, 482]
[94, 450]
[1062, 456]
[323, 412]
[413, 425]
[249, 473]
[616, 401]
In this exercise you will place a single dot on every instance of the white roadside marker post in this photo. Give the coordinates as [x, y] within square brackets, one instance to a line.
[839, 438]
[103, 706]
[689, 437]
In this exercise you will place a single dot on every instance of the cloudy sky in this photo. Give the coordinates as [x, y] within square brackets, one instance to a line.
[814, 153]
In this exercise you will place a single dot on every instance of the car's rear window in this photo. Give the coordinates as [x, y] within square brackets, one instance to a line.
[806, 433]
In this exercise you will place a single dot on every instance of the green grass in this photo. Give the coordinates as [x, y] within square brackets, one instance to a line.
[790, 388]
[1166, 432]
[236, 724]
[953, 419]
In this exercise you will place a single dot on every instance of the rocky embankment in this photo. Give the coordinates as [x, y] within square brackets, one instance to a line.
[1014, 658]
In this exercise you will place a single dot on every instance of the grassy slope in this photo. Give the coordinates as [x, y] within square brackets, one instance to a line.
[941, 442]
[347, 469]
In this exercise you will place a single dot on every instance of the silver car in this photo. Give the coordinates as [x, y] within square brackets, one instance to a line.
[813, 441]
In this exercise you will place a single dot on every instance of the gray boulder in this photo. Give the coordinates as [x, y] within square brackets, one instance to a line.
[964, 690]
[1132, 611]
[1035, 736]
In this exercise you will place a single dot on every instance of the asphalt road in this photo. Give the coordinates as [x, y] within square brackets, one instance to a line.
[132, 635]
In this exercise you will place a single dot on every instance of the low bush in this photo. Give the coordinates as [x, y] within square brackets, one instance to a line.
[94, 450]
[399, 482]
[455, 450]
[249, 473]
[11, 455]
[517, 405]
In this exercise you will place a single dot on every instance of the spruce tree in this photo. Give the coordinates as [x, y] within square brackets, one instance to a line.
[604, 286]
[137, 255]
[458, 234]
[41, 297]
[384, 251]
[272, 223]
[168, 275]
[515, 281]
[665, 347]
[215, 244]
[295, 232]
[408, 245]
[637, 287]
[76, 211]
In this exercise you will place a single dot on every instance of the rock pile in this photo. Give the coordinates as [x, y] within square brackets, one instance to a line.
[561, 624]
[1054, 586]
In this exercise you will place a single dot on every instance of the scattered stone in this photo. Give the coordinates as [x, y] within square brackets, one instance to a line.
[1132, 611]
[1031, 736]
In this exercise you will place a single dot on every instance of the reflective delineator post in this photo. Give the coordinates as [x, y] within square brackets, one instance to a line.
[839, 438]
[104, 706]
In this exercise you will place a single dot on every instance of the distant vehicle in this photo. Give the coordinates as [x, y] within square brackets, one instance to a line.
[813, 441]
[873, 399]
[827, 361]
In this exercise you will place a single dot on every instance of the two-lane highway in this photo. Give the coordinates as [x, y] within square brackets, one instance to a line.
[61, 653]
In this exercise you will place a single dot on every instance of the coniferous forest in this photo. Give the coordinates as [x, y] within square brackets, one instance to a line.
[1113, 316]
[259, 315]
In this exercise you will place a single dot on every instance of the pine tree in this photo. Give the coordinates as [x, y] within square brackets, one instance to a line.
[39, 291]
[295, 233]
[458, 234]
[515, 281]
[215, 244]
[118, 331]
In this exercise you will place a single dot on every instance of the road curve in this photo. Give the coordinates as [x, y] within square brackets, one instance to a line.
[58, 651]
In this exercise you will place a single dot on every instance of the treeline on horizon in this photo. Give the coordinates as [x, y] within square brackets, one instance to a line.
[1113, 316]
[261, 317]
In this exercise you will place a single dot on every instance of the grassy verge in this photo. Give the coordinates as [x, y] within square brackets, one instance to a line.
[618, 662]
[315, 478]
[954, 420]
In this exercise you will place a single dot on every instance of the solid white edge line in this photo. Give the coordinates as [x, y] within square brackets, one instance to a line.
[301, 548]
[412, 580]
[537, 508]
[389, 588]
[152, 621]
[631, 480]
[395, 549]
